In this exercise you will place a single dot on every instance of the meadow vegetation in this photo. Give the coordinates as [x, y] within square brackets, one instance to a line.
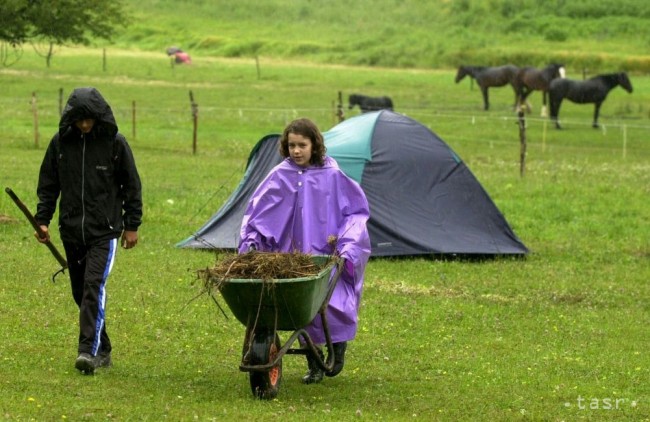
[596, 35]
[559, 335]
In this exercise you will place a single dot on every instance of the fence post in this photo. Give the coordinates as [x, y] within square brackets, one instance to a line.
[60, 101]
[195, 119]
[624, 141]
[133, 117]
[35, 113]
[522, 141]
[339, 108]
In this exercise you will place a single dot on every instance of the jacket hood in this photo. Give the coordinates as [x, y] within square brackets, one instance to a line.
[86, 103]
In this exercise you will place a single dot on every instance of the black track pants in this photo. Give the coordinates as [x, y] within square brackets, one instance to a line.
[89, 267]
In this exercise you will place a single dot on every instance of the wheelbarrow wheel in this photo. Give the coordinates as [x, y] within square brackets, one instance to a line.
[264, 349]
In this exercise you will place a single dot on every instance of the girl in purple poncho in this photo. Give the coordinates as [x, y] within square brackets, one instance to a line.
[303, 201]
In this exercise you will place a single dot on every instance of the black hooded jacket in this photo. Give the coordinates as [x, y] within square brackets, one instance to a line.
[94, 173]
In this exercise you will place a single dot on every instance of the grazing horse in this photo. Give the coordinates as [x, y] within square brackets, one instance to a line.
[367, 104]
[530, 79]
[592, 90]
[487, 77]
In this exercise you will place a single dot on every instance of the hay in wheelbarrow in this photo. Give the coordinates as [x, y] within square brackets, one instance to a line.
[281, 290]
[267, 266]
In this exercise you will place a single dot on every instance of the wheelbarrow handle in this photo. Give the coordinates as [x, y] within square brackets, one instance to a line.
[340, 265]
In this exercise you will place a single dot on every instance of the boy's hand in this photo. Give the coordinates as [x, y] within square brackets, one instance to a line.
[129, 239]
[46, 235]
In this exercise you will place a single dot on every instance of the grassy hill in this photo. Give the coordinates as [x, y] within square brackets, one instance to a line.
[598, 35]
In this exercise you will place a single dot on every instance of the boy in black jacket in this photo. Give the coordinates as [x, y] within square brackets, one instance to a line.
[91, 167]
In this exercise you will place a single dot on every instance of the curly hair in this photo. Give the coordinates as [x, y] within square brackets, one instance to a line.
[308, 129]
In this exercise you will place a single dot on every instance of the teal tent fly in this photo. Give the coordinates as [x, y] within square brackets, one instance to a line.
[423, 199]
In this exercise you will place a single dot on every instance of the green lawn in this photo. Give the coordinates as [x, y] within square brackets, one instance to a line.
[560, 335]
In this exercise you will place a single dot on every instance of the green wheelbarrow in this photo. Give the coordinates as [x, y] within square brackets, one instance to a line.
[266, 307]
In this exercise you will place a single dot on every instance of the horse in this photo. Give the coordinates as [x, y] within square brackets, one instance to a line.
[592, 90]
[367, 104]
[487, 77]
[530, 79]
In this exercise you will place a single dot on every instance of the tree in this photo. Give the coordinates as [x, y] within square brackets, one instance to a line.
[56, 22]
[13, 30]
[13, 22]
[9, 53]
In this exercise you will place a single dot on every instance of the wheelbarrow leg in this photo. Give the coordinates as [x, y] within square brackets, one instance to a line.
[339, 355]
[328, 365]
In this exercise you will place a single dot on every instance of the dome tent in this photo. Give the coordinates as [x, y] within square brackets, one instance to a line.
[423, 198]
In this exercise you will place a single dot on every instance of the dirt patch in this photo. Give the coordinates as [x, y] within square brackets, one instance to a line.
[5, 219]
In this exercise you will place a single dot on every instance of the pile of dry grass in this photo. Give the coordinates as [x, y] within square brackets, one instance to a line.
[262, 266]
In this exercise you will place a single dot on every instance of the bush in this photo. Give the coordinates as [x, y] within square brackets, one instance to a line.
[555, 34]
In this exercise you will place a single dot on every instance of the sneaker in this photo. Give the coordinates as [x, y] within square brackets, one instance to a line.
[86, 363]
[104, 360]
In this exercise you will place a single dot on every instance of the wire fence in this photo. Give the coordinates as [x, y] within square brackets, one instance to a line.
[178, 118]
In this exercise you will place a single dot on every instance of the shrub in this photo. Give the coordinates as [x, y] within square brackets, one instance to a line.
[555, 34]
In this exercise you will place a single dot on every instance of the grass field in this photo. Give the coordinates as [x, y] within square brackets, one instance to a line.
[560, 335]
[602, 35]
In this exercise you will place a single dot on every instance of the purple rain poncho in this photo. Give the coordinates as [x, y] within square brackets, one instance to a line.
[296, 208]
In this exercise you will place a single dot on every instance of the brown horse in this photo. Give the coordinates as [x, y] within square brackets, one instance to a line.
[593, 90]
[530, 79]
[487, 77]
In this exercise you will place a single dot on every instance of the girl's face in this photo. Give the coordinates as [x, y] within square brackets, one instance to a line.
[299, 149]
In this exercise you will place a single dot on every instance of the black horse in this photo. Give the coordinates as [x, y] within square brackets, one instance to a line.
[530, 79]
[592, 90]
[487, 77]
[367, 104]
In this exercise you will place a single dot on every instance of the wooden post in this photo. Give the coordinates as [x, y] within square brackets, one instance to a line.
[60, 101]
[624, 141]
[195, 119]
[340, 113]
[35, 113]
[133, 118]
[522, 140]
